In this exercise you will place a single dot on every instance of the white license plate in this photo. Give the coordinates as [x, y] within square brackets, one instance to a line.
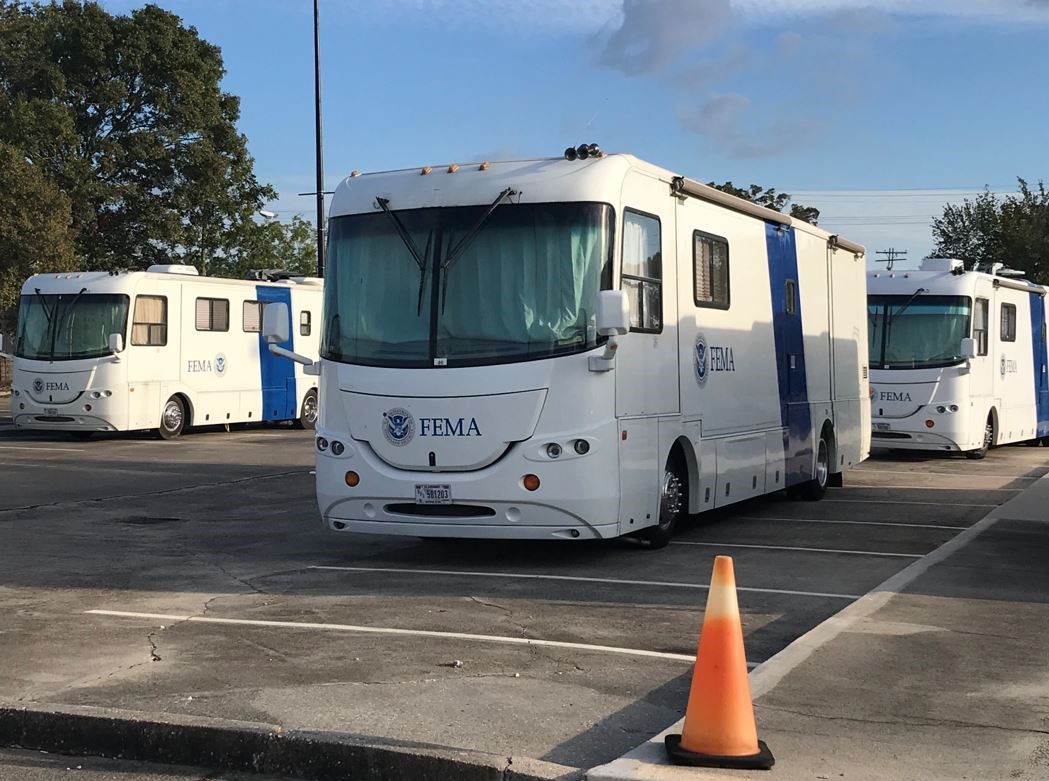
[50, 412]
[881, 426]
[433, 494]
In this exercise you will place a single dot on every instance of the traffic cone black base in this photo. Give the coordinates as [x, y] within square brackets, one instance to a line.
[763, 760]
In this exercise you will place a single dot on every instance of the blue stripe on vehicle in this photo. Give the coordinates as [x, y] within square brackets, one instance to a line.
[790, 355]
[1041, 370]
[277, 374]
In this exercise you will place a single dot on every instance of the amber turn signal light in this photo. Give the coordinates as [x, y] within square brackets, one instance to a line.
[352, 479]
[530, 482]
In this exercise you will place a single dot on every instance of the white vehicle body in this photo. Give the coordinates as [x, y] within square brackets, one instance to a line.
[449, 398]
[101, 351]
[926, 393]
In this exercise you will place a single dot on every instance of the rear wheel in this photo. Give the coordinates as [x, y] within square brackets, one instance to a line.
[172, 419]
[673, 504]
[308, 412]
[815, 488]
[988, 441]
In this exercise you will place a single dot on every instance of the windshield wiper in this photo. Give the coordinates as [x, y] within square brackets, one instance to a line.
[907, 303]
[420, 259]
[457, 251]
[55, 327]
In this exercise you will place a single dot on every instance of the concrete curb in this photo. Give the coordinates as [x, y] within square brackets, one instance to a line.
[250, 746]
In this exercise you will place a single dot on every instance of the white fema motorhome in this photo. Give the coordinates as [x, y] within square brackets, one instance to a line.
[161, 349]
[577, 348]
[958, 358]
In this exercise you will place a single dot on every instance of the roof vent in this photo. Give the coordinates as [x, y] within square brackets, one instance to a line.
[941, 264]
[173, 268]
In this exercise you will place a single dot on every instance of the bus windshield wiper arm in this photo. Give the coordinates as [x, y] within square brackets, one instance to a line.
[65, 314]
[420, 259]
[907, 303]
[464, 243]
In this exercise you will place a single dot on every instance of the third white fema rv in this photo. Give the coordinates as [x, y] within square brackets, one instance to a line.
[958, 358]
[159, 349]
[577, 348]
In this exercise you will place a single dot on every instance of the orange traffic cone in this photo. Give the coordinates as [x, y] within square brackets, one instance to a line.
[719, 726]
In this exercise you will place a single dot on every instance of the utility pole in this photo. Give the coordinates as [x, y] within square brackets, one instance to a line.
[891, 254]
[320, 148]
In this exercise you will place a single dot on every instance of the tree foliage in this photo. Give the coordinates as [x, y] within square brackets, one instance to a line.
[34, 228]
[1013, 230]
[770, 199]
[290, 246]
[124, 114]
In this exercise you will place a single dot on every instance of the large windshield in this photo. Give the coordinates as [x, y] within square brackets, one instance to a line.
[67, 326]
[916, 331]
[447, 287]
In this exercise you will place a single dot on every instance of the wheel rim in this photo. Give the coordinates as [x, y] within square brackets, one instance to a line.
[172, 415]
[309, 408]
[670, 499]
[822, 464]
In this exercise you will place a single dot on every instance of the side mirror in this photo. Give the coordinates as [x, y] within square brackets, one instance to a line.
[116, 343]
[613, 313]
[275, 329]
[968, 349]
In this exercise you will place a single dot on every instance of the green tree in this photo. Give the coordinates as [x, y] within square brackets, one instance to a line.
[125, 115]
[1013, 230]
[287, 246]
[34, 229]
[770, 199]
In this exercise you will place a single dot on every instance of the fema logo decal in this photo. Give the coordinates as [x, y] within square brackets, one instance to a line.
[398, 426]
[38, 385]
[699, 360]
[220, 364]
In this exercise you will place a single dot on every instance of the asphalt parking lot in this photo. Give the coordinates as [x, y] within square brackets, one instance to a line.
[193, 577]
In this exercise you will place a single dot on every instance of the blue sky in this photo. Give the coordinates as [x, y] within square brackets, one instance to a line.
[877, 113]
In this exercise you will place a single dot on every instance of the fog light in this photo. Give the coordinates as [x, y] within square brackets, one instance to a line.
[929, 424]
[87, 408]
[96, 394]
[954, 408]
[337, 448]
[353, 479]
[553, 450]
[107, 394]
[18, 393]
[530, 482]
[941, 409]
[581, 446]
[322, 444]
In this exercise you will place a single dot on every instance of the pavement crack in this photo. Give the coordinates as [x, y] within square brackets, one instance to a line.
[242, 581]
[153, 655]
[908, 721]
[508, 768]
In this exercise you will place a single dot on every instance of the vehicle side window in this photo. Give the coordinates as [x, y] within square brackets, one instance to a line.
[980, 319]
[710, 270]
[252, 317]
[1008, 323]
[642, 271]
[149, 326]
[212, 314]
[305, 323]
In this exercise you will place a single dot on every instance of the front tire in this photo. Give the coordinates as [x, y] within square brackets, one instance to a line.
[815, 488]
[673, 504]
[172, 419]
[308, 412]
[988, 441]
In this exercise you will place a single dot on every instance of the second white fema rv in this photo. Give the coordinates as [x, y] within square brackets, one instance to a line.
[161, 349]
[577, 348]
[958, 358]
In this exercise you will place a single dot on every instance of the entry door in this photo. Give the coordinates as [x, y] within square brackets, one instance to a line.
[1041, 359]
[647, 361]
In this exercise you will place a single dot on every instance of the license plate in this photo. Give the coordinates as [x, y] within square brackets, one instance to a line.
[433, 494]
[50, 412]
[881, 426]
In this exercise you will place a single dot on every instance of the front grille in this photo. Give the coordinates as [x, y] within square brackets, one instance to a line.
[440, 510]
[889, 435]
[54, 419]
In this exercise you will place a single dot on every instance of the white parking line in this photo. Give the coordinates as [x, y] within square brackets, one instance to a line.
[896, 501]
[850, 523]
[947, 474]
[379, 630]
[928, 488]
[792, 548]
[575, 579]
[44, 449]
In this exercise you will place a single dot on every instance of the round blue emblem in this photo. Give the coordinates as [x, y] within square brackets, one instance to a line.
[398, 426]
[699, 360]
[220, 364]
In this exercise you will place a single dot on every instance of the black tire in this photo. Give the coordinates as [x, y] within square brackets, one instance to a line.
[308, 412]
[172, 419]
[988, 441]
[673, 505]
[814, 489]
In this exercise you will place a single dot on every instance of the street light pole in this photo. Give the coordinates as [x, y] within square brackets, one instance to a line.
[320, 148]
